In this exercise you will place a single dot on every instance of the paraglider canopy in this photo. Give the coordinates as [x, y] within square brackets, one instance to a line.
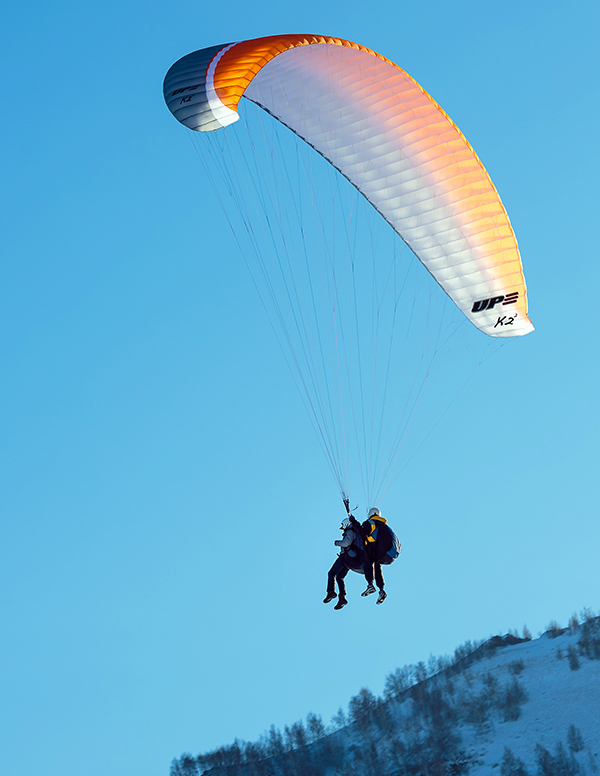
[395, 144]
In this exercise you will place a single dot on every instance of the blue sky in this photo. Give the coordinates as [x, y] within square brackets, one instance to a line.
[167, 518]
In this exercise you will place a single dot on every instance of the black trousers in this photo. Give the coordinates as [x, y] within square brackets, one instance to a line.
[337, 572]
[370, 564]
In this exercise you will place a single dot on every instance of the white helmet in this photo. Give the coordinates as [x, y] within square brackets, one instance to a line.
[374, 512]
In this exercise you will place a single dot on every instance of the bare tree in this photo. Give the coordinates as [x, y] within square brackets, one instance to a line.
[398, 682]
[574, 663]
[315, 727]
[574, 739]
[512, 765]
[362, 706]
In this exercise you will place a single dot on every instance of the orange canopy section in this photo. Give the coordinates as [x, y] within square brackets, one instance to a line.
[238, 66]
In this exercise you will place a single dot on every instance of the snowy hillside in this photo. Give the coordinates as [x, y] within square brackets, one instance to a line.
[509, 706]
[558, 695]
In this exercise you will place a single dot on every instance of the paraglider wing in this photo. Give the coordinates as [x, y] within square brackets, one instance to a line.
[383, 132]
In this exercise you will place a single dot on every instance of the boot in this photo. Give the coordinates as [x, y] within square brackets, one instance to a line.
[382, 596]
[329, 597]
[341, 602]
[370, 589]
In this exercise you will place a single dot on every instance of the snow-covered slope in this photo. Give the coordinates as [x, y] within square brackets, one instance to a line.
[508, 706]
[557, 697]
